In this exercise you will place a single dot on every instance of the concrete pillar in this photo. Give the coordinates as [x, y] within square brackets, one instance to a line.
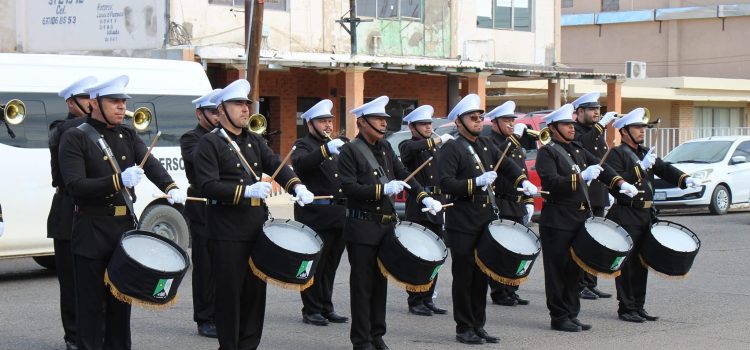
[614, 104]
[553, 93]
[682, 114]
[477, 84]
[355, 96]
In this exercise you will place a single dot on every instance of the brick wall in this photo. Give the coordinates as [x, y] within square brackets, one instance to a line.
[682, 114]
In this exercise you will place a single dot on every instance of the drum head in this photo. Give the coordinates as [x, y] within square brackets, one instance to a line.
[609, 234]
[674, 237]
[514, 237]
[421, 242]
[293, 236]
[153, 253]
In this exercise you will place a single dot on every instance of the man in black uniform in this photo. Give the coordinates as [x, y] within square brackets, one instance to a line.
[370, 217]
[590, 127]
[513, 205]
[463, 183]
[236, 213]
[195, 212]
[564, 214]
[414, 152]
[60, 219]
[639, 165]
[315, 159]
[102, 211]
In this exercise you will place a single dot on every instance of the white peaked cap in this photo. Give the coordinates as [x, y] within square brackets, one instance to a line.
[470, 103]
[114, 88]
[562, 114]
[590, 99]
[420, 114]
[507, 109]
[78, 88]
[236, 91]
[321, 109]
[375, 108]
[206, 101]
[635, 117]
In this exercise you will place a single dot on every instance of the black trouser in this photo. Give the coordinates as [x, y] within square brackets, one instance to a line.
[422, 298]
[561, 273]
[469, 288]
[64, 267]
[317, 299]
[203, 279]
[240, 297]
[588, 280]
[499, 291]
[103, 322]
[631, 284]
[369, 290]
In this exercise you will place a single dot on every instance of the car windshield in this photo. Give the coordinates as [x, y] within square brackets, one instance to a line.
[699, 152]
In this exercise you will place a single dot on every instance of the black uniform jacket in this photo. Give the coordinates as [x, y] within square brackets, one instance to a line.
[90, 180]
[471, 211]
[593, 140]
[222, 179]
[414, 152]
[56, 129]
[195, 211]
[60, 221]
[319, 171]
[509, 200]
[364, 191]
[565, 206]
[624, 160]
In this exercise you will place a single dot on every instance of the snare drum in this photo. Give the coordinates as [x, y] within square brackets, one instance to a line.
[670, 249]
[286, 254]
[412, 256]
[602, 247]
[507, 251]
[146, 269]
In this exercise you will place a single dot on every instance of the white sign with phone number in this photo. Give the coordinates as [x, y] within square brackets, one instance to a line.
[80, 25]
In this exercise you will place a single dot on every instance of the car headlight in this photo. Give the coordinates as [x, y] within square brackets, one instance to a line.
[701, 174]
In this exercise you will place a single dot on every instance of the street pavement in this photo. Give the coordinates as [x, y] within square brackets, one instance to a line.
[709, 309]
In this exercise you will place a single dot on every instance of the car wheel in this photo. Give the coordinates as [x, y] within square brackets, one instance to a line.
[46, 261]
[167, 222]
[720, 200]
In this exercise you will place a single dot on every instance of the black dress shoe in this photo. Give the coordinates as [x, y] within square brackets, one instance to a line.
[565, 326]
[646, 316]
[488, 338]
[505, 301]
[583, 326]
[519, 300]
[435, 310]
[335, 318]
[379, 344]
[587, 294]
[314, 319]
[69, 345]
[599, 293]
[420, 310]
[469, 337]
[207, 329]
[631, 316]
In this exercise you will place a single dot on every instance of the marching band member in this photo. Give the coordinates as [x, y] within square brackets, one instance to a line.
[103, 210]
[236, 214]
[463, 180]
[414, 152]
[565, 212]
[371, 216]
[637, 165]
[590, 127]
[315, 159]
[195, 213]
[2, 223]
[513, 205]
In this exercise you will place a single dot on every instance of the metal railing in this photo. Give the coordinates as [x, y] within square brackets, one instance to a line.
[666, 139]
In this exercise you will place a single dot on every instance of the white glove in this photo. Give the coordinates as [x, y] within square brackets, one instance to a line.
[648, 161]
[303, 195]
[334, 145]
[394, 187]
[592, 172]
[432, 204]
[2, 228]
[628, 189]
[132, 176]
[486, 178]
[176, 195]
[530, 210]
[445, 137]
[692, 183]
[258, 190]
[528, 188]
[607, 118]
[611, 200]
[518, 129]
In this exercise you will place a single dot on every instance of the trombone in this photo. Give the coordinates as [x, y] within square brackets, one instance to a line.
[141, 118]
[544, 136]
[257, 124]
[13, 112]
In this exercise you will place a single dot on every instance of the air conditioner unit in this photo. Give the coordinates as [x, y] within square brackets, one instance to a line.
[635, 69]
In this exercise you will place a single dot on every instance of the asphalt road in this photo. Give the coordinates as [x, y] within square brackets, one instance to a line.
[709, 309]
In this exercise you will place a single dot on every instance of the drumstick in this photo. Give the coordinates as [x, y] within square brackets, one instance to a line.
[165, 196]
[424, 210]
[283, 162]
[414, 173]
[601, 162]
[294, 199]
[497, 166]
[148, 153]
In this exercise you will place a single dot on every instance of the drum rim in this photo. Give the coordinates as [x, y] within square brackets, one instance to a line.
[616, 226]
[511, 223]
[299, 225]
[185, 258]
[411, 223]
[681, 227]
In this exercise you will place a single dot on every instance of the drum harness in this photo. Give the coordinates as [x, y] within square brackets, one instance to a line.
[568, 159]
[360, 146]
[490, 191]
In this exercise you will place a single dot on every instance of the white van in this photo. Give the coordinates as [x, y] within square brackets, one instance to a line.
[166, 87]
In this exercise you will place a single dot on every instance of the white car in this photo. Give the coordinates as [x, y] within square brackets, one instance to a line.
[720, 163]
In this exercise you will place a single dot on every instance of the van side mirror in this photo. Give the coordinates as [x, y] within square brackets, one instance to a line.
[738, 160]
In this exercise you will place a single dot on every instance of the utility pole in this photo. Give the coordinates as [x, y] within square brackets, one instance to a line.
[253, 32]
[353, 21]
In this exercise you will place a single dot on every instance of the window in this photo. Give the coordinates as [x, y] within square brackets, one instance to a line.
[743, 150]
[504, 14]
[233, 3]
[567, 3]
[716, 121]
[411, 9]
[278, 5]
[610, 5]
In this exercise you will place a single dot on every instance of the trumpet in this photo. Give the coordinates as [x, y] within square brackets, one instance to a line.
[141, 118]
[544, 136]
[14, 111]
[257, 124]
